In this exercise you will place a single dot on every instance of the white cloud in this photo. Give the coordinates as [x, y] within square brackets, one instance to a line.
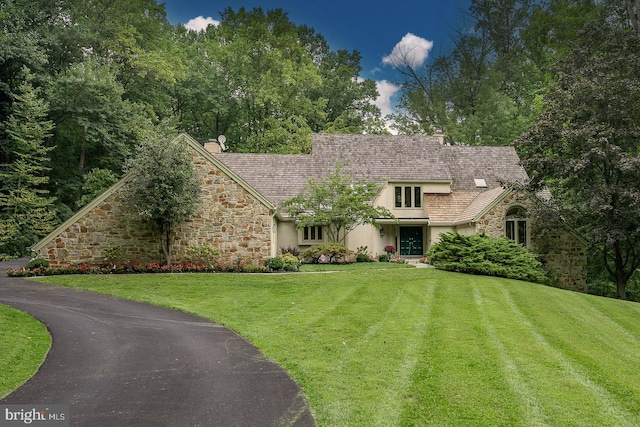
[386, 91]
[200, 23]
[411, 50]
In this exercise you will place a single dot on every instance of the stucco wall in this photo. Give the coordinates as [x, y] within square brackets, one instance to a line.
[564, 255]
[228, 217]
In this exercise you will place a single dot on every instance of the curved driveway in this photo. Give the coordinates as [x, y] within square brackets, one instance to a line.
[122, 363]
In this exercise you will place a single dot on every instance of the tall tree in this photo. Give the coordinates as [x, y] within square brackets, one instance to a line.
[96, 126]
[554, 25]
[25, 208]
[482, 91]
[584, 146]
[164, 188]
[270, 76]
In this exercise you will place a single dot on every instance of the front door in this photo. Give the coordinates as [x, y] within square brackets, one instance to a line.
[411, 242]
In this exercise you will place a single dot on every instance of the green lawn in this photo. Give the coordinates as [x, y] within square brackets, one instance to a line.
[420, 346]
[24, 343]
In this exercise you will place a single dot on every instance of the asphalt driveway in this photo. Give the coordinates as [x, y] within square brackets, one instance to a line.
[122, 363]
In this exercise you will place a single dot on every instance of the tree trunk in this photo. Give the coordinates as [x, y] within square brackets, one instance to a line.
[166, 243]
[83, 148]
[621, 289]
[620, 276]
[633, 9]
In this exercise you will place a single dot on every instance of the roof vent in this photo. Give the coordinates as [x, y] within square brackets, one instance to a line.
[480, 183]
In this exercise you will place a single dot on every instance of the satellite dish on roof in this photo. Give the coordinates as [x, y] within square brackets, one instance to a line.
[221, 140]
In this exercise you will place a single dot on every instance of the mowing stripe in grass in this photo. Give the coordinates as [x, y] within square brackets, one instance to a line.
[533, 413]
[607, 354]
[615, 324]
[390, 372]
[319, 315]
[608, 403]
[389, 412]
[458, 380]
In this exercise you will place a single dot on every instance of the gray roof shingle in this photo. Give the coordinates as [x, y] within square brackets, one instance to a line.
[380, 158]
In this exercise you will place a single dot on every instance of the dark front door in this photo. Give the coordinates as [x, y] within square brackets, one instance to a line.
[411, 242]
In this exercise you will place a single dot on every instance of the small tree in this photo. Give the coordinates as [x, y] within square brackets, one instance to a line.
[338, 203]
[164, 188]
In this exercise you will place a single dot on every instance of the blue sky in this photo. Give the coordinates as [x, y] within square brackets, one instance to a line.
[372, 27]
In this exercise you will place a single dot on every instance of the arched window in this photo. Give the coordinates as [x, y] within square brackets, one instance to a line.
[516, 225]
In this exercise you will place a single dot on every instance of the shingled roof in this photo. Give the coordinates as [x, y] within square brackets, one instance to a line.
[380, 158]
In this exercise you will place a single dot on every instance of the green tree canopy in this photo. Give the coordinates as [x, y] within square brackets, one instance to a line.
[338, 203]
[585, 146]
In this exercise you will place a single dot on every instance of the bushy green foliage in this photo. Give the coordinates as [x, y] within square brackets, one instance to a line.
[203, 254]
[362, 254]
[483, 255]
[37, 263]
[286, 262]
[333, 251]
[112, 254]
[95, 182]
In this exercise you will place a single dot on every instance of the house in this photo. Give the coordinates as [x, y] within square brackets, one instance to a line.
[429, 186]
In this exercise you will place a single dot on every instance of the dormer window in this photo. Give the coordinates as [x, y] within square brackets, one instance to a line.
[408, 196]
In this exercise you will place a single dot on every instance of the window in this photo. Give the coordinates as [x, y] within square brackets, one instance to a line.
[408, 196]
[312, 233]
[516, 225]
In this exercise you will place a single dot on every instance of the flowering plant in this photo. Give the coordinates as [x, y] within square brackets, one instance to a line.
[135, 268]
[389, 249]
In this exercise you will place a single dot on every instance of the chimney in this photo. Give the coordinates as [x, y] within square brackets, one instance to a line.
[440, 135]
[212, 146]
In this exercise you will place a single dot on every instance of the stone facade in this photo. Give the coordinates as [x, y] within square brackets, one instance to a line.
[564, 255]
[228, 217]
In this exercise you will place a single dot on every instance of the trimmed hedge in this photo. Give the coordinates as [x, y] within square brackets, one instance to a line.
[487, 256]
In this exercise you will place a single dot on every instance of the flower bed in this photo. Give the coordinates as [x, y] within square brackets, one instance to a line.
[136, 269]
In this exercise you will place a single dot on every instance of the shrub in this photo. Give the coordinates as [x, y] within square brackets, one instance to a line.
[384, 258]
[37, 263]
[112, 254]
[286, 262]
[275, 264]
[334, 251]
[290, 250]
[203, 254]
[362, 255]
[483, 255]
